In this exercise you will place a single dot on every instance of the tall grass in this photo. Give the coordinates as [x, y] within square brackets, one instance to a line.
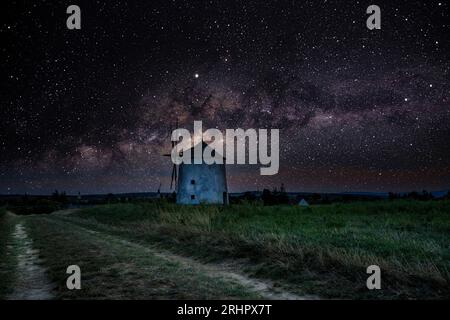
[7, 258]
[409, 240]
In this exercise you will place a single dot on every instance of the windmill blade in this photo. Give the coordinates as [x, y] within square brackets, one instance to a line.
[174, 143]
[170, 135]
[173, 176]
[176, 174]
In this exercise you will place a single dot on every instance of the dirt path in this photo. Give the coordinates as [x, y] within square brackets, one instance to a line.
[32, 282]
[264, 288]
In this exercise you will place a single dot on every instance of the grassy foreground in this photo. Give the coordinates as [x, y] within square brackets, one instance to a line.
[7, 260]
[322, 250]
[115, 269]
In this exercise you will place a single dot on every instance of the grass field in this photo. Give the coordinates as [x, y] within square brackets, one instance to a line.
[7, 259]
[322, 250]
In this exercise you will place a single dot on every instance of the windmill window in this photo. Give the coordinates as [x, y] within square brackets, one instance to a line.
[193, 197]
[192, 181]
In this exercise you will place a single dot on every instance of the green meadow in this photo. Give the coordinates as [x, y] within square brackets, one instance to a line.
[321, 251]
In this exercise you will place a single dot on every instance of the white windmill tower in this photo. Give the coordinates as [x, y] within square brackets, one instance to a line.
[199, 183]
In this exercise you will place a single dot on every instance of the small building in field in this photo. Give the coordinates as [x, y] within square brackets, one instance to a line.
[303, 203]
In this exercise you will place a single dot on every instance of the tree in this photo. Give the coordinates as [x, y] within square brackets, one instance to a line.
[267, 197]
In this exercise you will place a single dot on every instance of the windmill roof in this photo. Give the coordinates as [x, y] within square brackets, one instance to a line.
[204, 145]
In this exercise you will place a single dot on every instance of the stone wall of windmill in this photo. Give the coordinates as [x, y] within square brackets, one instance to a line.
[202, 183]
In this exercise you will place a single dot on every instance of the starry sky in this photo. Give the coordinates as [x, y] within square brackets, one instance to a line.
[91, 110]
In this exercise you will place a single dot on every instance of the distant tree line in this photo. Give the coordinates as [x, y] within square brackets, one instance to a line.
[414, 195]
[268, 198]
[276, 197]
[26, 204]
[60, 197]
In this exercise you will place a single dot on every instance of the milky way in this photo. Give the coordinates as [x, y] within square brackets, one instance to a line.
[90, 110]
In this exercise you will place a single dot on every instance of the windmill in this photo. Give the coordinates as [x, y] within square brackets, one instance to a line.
[174, 175]
[197, 183]
[201, 182]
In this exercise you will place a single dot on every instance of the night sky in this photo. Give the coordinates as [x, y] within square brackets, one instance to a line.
[91, 110]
